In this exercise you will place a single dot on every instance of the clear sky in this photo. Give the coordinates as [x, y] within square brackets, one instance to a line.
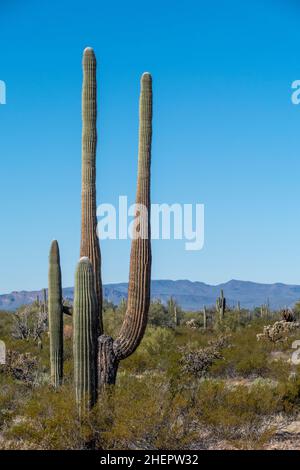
[225, 132]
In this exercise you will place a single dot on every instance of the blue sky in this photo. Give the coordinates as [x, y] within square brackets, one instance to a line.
[225, 132]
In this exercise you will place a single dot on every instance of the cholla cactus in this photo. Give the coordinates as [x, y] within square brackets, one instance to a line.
[278, 332]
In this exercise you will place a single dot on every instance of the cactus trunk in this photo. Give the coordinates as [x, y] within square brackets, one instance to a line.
[133, 328]
[89, 246]
[85, 335]
[55, 316]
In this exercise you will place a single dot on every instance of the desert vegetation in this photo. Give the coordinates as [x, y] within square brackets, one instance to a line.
[141, 375]
[184, 387]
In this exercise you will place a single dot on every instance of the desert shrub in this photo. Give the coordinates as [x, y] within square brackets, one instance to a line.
[159, 315]
[22, 367]
[246, 357]
[153, 353]
[48, 420]
[237, 414]
[5, 324]
[158, 419]
[198, 362]
[193, 323]
[29, 322]
[289, 391]
[188, 316]
[231, 322]
[113, 319]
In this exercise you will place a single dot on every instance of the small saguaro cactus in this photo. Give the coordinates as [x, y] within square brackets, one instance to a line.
[111, 352]
[238, 312]
[44, 304]
[55, 312]
[221, 305]
[173, 310]
[204, 318]
[264, 311]
[89, 245]
[85, 315]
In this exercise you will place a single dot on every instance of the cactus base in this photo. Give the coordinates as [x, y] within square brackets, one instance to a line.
[107, 361]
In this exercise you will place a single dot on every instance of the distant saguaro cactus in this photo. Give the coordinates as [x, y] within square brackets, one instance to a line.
[89, 246]
[55, 312]
[173, 310]
[204, 318]
[85, 335]
[238, 311]
[221, 305]
[44, 304]
[111, 352]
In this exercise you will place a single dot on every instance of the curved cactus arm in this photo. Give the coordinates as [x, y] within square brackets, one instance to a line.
[85, 335]
[55, 315]
[89, 246]
[135, 320]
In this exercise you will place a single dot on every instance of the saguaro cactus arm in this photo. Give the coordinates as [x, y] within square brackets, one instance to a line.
[55, 313]
[89, 246]
[110, 352]
[135, 321]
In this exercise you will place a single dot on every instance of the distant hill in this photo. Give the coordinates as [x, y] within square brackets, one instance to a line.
[190, 295]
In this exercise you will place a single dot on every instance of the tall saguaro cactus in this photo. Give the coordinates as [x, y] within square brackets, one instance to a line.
[55, 311]
[111, 352]
[85, 335]
[89, 246]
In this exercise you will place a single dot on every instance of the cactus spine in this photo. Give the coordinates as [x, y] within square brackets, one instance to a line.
[55, 315]
[85, 318]
[89, 246]
[221, 305]
[133, 328]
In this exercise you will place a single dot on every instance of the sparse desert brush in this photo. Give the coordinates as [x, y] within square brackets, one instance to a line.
[113, 319]
[237, 414]
[246, 357]
[5, 325]
[159, 418]
[48, 420]
[154, 352]
[22, 367]
[289, 391]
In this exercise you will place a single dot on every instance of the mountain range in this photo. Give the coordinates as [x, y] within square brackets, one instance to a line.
[190, 295]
